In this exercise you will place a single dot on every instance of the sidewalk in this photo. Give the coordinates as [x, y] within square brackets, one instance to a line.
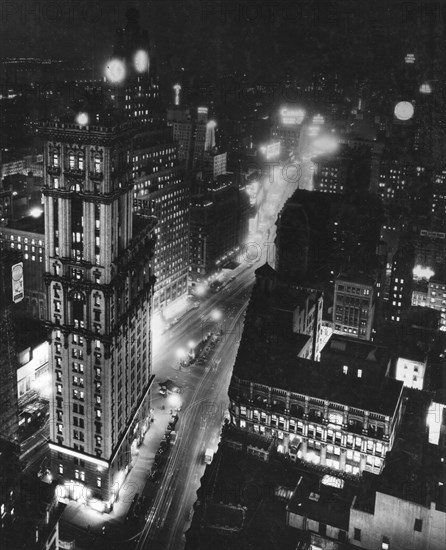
[78, 517]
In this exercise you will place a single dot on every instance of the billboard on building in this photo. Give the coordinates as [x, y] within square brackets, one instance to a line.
[17, 282]
[292, 116]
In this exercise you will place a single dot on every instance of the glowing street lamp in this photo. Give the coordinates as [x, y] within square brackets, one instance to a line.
[200, 290]
[115, 71]
[191, 346]
[216, 315]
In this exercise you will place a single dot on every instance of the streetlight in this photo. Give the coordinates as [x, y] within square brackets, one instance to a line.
[181, 354]
[216, 315]
[191, 346]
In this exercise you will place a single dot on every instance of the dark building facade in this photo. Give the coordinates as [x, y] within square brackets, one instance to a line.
[219, 218]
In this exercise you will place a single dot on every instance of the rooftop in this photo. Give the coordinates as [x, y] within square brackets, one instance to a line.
[356, 278]
[29, 224]
[236, 481]
[322, 503]
[414, 470]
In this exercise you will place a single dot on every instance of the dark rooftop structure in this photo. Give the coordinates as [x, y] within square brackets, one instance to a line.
[322, 502]
[268, 354]
[29, 223]
[371, 358]
[237, 487]
[414, 470]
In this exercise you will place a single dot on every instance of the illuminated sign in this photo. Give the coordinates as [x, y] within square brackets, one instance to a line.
[425, 88]
[404, 110]
[432, 234]
[292, 116]
[177, 89]
[202, 110]
[272, 150]
[410, 58]
[318, 119]
[17, 282]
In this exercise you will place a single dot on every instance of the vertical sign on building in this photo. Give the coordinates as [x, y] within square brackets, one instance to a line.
[17, 282]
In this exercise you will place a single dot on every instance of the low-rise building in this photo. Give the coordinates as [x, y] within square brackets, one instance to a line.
[326, 414]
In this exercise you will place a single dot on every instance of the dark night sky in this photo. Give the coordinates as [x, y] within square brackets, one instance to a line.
[263, 38]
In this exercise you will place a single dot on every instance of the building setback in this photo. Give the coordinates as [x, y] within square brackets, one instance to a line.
[99, 289]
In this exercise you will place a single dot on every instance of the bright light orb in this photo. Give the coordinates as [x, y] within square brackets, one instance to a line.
[191, 344]
[216, 315]
[36, 212]
[211, 124]
[181, 354]
[200, 290]
[404, 110]
[141, 61]
[82, 119]
[115, 71]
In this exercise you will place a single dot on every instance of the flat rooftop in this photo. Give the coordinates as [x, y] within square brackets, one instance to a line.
[323, 503]
[29, 224]
[414, 470]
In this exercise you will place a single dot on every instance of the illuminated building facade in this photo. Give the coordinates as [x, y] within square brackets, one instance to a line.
[190, 129]
[327, 414]
[288, 129]
[438, 206]
[160, 185]
[26, 235]
[432, 295]
[354, 306]
[8, 358]
[400, 290]
[161, 189]
[99, 289]
[330, 175]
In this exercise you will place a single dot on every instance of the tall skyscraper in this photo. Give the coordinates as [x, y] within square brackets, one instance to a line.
[99, 289]
[160, 185]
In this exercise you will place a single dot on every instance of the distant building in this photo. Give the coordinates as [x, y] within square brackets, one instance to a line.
[400, 289]
[11, 293]
[432, 294]
[287, 129]
[26, 235]
[218, 227]
[330, 174]
[354, 306]
[193, 134]
[214, 164]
